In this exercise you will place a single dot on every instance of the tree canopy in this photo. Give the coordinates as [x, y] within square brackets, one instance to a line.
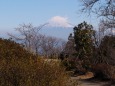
[83, 34]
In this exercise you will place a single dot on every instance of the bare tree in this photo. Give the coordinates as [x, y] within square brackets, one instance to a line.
[104, 9]
[108, 26]
[36, 42]
[101, 7]
[28, 35]
[51, 46]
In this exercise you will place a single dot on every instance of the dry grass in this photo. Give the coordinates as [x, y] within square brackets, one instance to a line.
[28, 72]
[18, 67]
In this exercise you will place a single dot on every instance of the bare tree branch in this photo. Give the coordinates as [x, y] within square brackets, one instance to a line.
[36, 42]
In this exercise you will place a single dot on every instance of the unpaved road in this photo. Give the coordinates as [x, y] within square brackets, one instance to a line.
[89, 83]
[86, 83]
[85, 80]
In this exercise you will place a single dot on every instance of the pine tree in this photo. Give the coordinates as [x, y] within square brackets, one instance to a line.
[83, 36]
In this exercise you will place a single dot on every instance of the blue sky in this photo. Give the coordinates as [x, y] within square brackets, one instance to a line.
[57, 12]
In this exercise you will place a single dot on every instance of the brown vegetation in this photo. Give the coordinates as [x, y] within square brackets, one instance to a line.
[19, 67]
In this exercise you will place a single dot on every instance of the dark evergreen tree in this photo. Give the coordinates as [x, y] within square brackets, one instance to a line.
[84, 41]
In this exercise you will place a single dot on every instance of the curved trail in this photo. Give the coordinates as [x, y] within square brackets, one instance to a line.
[88, 83]
[83, 80]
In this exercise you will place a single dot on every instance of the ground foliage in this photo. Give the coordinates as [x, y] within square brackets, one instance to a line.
[18, 67]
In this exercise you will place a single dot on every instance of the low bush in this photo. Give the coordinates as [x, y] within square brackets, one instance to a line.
[19, 67]
[104, 71]
[104, 58]
[20, 72]
[110, 72]
[74, 65]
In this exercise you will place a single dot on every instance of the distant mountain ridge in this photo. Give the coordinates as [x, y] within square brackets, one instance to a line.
[59, 32]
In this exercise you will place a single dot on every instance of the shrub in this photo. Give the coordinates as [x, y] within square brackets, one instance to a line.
[74, 65]
[104, 71]
[10, 49]
[20, 72]
[104, 58]
[19, 67]
[105, 53]
[110, 72]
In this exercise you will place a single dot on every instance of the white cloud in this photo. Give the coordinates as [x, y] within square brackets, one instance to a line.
[59, 21]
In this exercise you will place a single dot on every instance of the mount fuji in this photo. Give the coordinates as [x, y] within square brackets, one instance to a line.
[58, 32]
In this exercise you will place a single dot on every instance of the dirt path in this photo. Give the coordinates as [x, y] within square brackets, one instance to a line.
[85, 80]
[88, 82]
